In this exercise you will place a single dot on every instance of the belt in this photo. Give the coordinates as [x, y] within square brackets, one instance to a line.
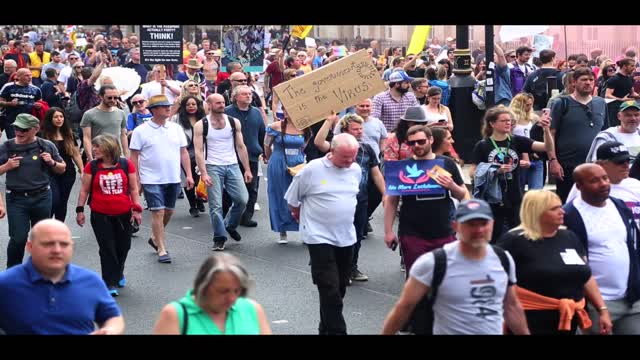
[30, 192]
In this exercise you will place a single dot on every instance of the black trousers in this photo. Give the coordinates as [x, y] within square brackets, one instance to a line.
[330, 271]
[113, 233]
[61, 186]
[563, 188]
[191, 193]
[545, 322]
[360, 224]
[374, 198]
[252, 188]
[504, 219]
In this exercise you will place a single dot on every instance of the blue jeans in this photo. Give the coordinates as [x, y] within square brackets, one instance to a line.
[532, 176]
[23, 212]
[229, 177]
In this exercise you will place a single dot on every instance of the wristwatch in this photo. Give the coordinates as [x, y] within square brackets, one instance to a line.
[79, 209]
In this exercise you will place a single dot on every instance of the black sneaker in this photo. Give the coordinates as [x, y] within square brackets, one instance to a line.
[218, 246]
[357, 275]
[249, 223]
[369, 228]
[194, 212]
[234, 234]
[181, 195]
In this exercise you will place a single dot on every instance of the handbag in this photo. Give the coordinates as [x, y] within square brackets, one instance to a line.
[294, 170]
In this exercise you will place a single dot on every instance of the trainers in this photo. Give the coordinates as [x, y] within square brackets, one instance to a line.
[357, 275]
[249, 223]
[181, 195]
[235, 235]
[402, 268]
[283, 238]
[369, 228]
[256, 207]
[194, 212]
[122, 283]
[218, 245]
[113, 292]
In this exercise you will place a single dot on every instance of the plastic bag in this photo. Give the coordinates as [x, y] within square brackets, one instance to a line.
[201, 191]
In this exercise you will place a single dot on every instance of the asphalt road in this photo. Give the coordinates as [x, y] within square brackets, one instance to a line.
[281, 272]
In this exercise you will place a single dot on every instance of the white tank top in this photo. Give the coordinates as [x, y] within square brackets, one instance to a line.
[220, 149]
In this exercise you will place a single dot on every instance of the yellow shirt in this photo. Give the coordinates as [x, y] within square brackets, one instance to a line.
[35, 61]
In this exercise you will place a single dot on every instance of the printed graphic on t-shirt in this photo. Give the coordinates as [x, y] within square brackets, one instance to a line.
[111, 184]
[504, 156]
[483, 293]
[635, 209]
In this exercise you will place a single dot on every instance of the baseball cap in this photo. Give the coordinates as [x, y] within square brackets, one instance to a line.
[629, 104]
[26, 121]
[613, 151]
[399, 76]
[473, 209]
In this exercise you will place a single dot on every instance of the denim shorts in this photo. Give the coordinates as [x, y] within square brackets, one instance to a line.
[161, 196]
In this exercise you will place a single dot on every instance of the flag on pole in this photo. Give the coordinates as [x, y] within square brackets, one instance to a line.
[71, 33]
[418, 39]
[301, 31]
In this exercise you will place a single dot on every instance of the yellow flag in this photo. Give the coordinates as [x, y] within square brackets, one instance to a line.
[418, 39]
[301, 31]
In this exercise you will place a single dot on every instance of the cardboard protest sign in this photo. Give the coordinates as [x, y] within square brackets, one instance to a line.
[334, 87]
[414, 177]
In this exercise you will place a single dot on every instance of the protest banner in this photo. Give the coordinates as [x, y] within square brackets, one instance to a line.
[334, 87]
[418, 39]
[413, 177]
[161, 44]
[243, 44]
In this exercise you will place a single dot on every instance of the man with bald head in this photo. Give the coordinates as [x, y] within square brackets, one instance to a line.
[323, 198]
[18, 97]
[219, 143]
[606, 227]
[47, 295]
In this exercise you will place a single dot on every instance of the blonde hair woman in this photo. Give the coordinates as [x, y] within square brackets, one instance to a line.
[543, 249]
[287, 75]
[531, 165]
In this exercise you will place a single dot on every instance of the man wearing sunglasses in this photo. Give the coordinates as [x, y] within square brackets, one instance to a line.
[28, 162]
[417, 236]
[105, 118]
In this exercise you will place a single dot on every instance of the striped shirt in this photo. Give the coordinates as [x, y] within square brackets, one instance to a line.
[388, 110]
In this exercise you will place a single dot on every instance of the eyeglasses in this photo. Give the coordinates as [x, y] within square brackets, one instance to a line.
[21, 130]
[414, 142]
[139, 102]
[241, 80]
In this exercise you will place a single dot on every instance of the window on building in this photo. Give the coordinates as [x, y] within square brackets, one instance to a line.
[389, 32]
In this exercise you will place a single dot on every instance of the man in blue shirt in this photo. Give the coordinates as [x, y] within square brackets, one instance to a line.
[502, 80]
[48, 295]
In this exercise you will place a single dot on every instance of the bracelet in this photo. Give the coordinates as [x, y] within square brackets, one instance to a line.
[79, 209]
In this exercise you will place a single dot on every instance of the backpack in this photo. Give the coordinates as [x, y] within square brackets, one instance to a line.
[124, 165]
[74, 113]
[11, 148]
[540, 88]
[205, 132]
[478, 95]
[424, 324]
[518, 78]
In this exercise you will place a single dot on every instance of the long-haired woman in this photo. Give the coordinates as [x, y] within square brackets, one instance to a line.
[56, 128]
[531, 165]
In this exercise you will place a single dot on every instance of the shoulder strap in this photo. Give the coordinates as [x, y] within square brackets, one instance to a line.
[232, 123]
[439, 268]
[205, 132]
[94, 171]
[185, 320]
[124, 165]
[41, 144]
[504, 260]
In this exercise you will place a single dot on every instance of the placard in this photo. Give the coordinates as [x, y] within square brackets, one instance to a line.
[333, 87]
[161, 44]
[412, 177]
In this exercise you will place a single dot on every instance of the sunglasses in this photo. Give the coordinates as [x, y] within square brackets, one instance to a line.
[21, 130]
[414, 142]
[140, 102]
[243, 80]
[611, 70]
[110, 97]
[192, 85]
[512, 56]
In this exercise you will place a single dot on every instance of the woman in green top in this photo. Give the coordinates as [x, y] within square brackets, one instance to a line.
[217, 304]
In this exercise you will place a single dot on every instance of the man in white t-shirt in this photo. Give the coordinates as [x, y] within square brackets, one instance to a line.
[476, 294]
[155, 87]
[610, 236]
[627, 132]
[614, 159]
[322, 197]
[158, 150]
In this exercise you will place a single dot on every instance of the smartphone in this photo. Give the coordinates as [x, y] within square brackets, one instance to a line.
[546, 111]
[394, 245]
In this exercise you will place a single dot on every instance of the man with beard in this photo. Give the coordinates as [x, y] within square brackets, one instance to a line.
[476, 294]
[612, 249]
[576, 120]
[388, 106]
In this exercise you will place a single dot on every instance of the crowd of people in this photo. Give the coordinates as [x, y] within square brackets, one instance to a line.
[477, 258]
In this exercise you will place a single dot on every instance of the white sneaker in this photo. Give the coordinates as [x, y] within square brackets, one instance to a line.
[256, 207]
[283, 238]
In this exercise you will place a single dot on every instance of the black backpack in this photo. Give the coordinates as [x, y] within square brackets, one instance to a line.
[205, 132]
[422, 324]
[540, 88]
[73, 110]
[123, 163]
[11, 149]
